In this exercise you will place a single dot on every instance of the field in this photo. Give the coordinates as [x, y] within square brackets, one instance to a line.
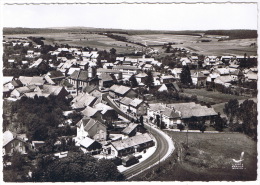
[190, 42]
[212, 96]
[194, 44]
[91, 40]
[228, 47]
[209, 158]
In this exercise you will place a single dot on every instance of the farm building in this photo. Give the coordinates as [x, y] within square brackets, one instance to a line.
[191, 110]
[131, 145]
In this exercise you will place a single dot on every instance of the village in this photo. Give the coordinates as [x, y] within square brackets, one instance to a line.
[110, 102]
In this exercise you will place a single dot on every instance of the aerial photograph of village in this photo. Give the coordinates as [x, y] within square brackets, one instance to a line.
[129, 92]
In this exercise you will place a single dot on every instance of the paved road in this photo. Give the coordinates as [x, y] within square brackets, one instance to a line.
[160, 152]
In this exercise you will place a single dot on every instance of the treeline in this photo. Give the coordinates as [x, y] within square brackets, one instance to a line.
[37, 40]
[121, 38]
[242, 117]
[234, 34]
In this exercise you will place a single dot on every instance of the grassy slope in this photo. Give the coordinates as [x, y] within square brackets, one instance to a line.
[210, 159]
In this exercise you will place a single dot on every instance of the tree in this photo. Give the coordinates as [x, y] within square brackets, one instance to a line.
[133, 81]
[18, 161]
[113, 51]
[219, 123]
[142, 120]
[149, 79]
[158, 120]
[248, 116]
[231, 109]
[185, 75]
[79, 167]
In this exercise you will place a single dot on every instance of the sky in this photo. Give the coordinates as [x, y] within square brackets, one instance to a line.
[134, 16]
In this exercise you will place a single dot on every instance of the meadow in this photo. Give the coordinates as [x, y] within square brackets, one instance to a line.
[208, 157]
[190, 42]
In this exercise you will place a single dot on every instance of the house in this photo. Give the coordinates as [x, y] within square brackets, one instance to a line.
[18, 92]
[127, 71]
[198, 78]
[69, 87]
[90, 88]
[82, 101]
[83, 64]
[131, 145]
[129, 160]
[191, 109]
[167, 79]
[13, 84]
[40, 64]
[107, 112]
[116, 73]
[194, 59]
[88, 127]
[106, 80]
[80, 79]
[54, 90]
[132, 129]
[54, 77]
[36, 145]
[124, 104]
[90, 145]
[176, 72]
[141, 78]
[90, 54]
[71, 70]
[222, 71]
[211, 60]
[169, 116]
[169, 87]
[251, 76]
[119, 91]
[91, 112]
[48, 90]
[156, 78]
[12, 142]
[35, 80]
[148, 67]
[224, 80]
[108, 66]
[237, 75]
[136, 106]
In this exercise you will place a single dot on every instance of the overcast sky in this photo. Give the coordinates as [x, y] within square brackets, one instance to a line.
[129, 16]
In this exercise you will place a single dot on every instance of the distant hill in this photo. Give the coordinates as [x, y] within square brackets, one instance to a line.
[233, 34]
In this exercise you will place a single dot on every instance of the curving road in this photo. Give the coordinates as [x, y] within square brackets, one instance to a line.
[161, 148]
[160, 152]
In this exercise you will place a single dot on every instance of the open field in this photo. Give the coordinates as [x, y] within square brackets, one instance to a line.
[194, 44]
[191, 42]
[101, 42]
[228, 47]
[213, 154]
[210, 158]
[212, 96]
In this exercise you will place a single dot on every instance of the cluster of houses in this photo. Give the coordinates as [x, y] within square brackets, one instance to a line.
[92, 89]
